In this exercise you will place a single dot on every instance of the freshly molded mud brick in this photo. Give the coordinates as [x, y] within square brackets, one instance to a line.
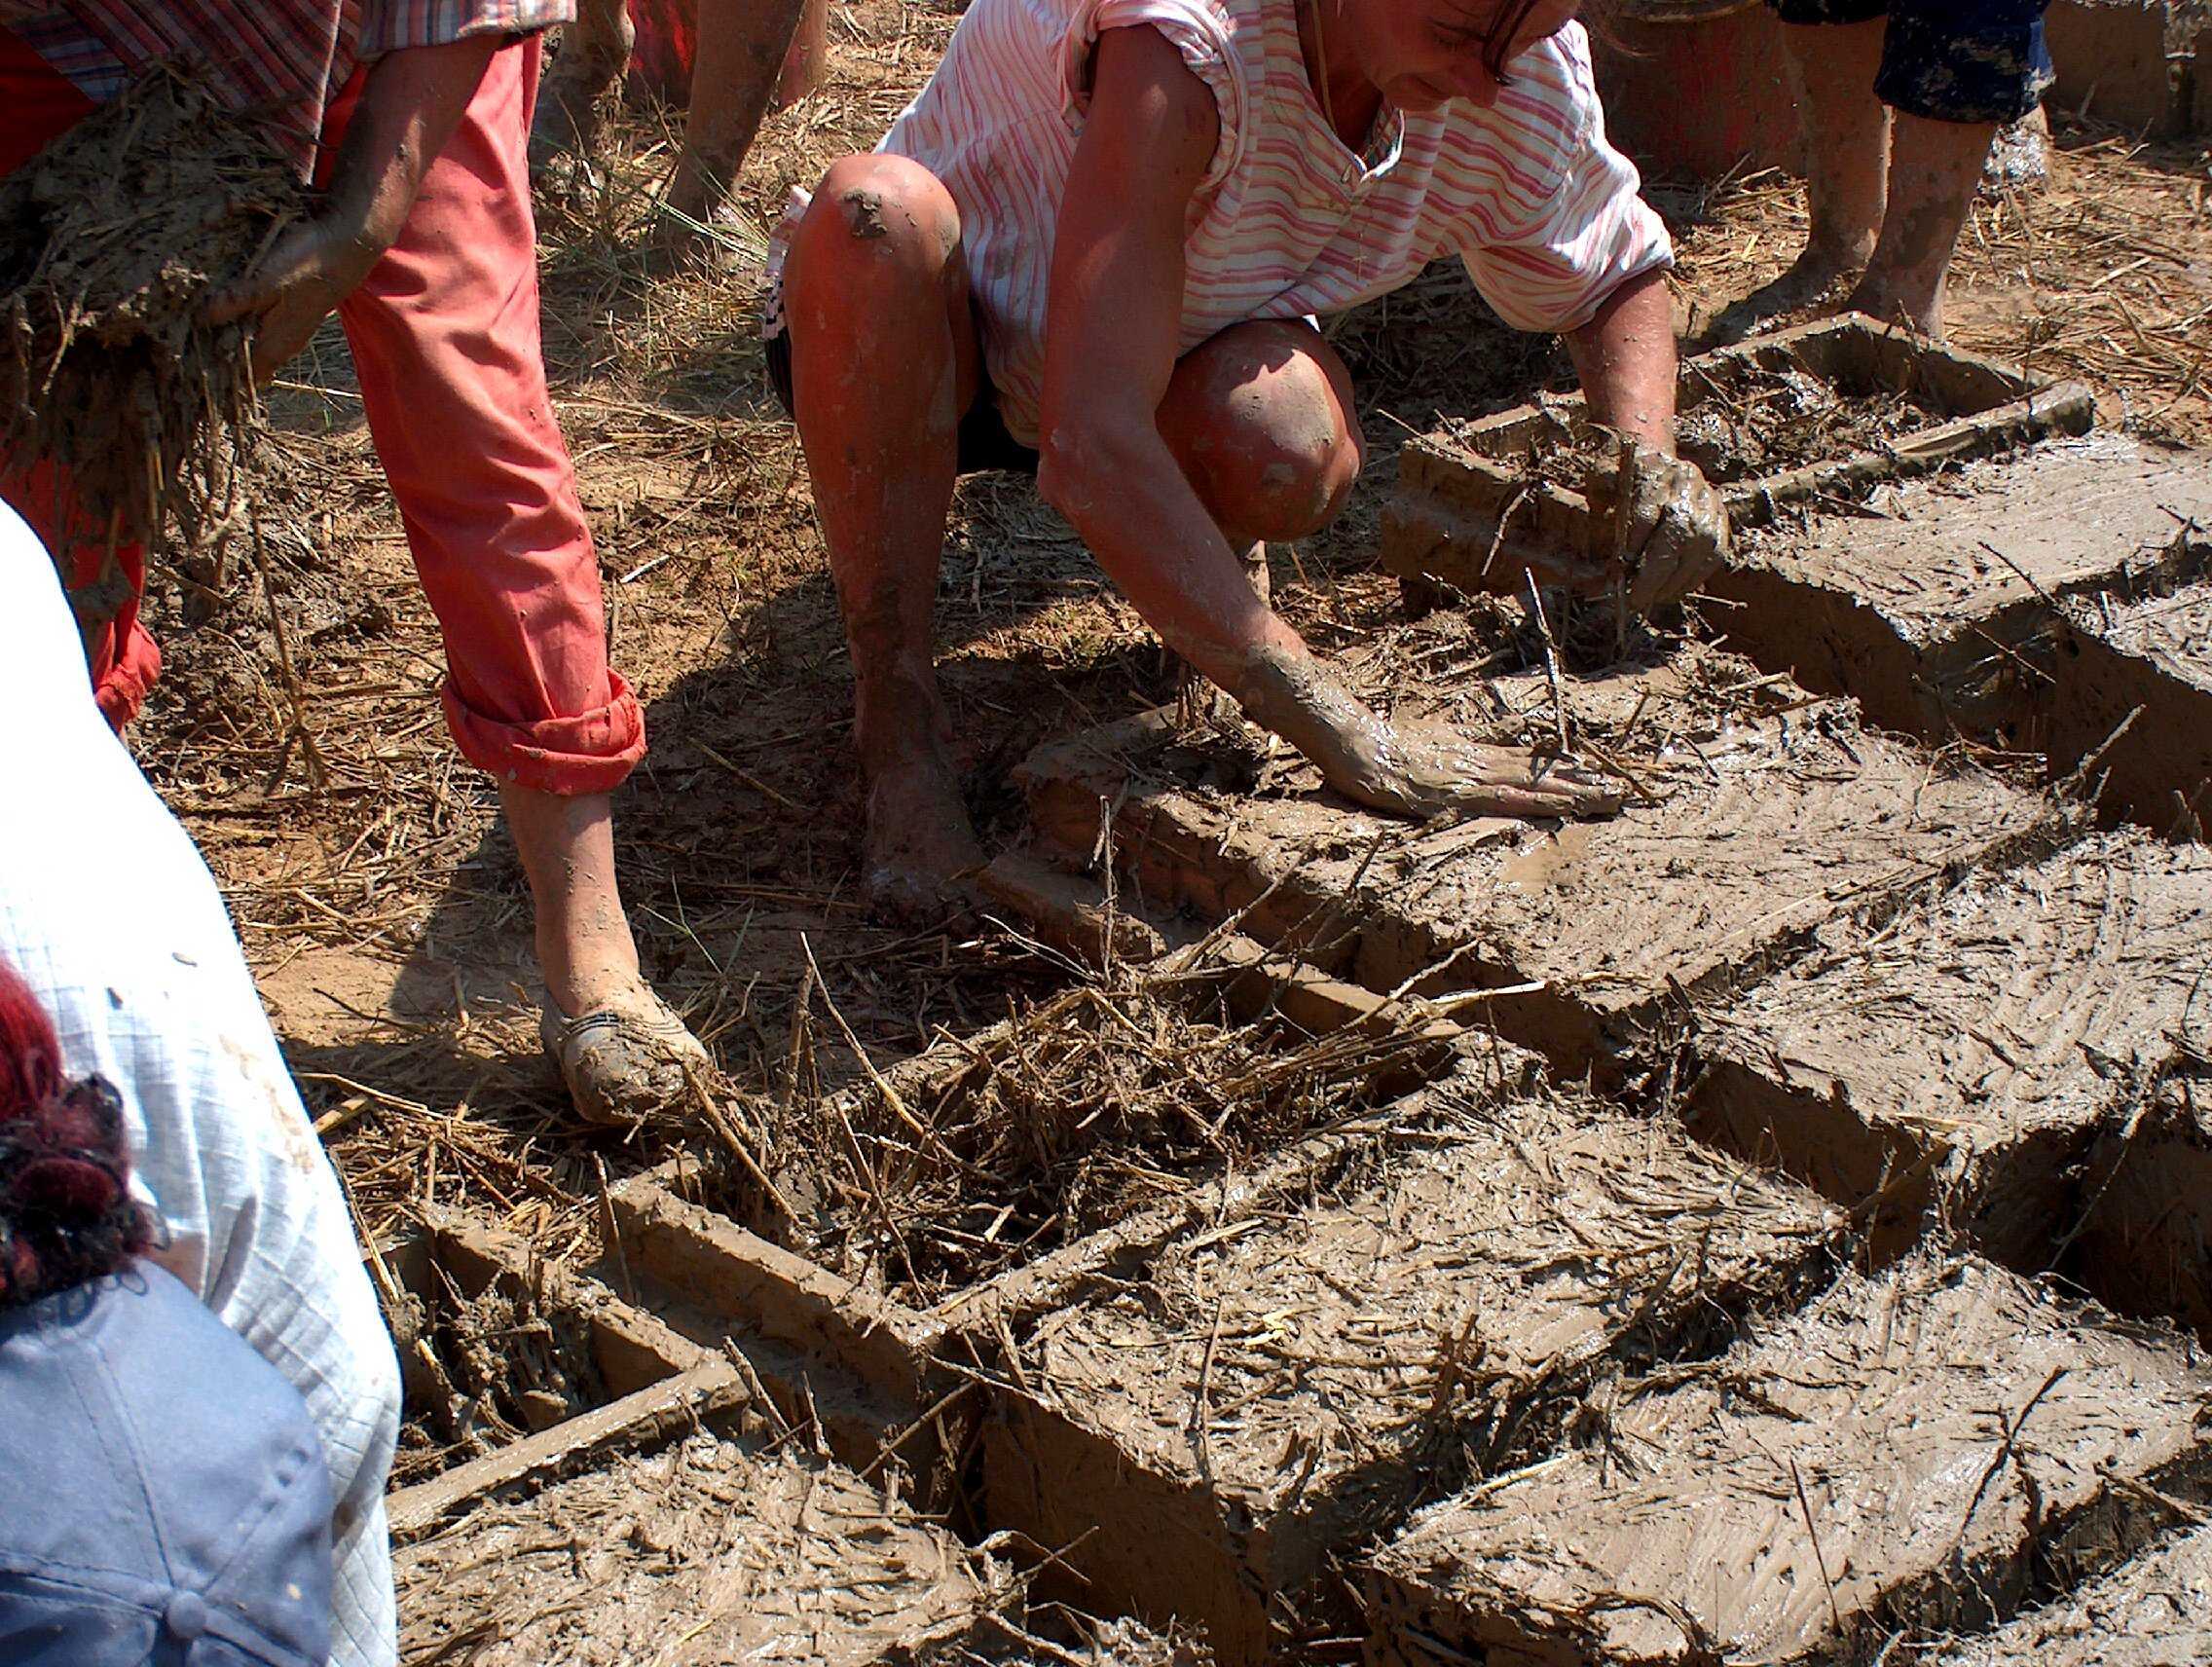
[1903, 1456]
[710, 1553]
[1776, 813]
[1938, 608]
[1974, 1045]
[2157, 654]
[1284, 1380]
[1824, 410]
[2156, 1611]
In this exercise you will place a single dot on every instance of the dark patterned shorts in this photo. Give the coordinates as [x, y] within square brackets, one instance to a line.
[1949, 60]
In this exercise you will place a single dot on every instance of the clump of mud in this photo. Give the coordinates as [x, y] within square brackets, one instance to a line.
[110, 240]
[484, 1370]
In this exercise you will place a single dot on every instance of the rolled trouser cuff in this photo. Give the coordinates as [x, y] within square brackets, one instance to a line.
[591, 753]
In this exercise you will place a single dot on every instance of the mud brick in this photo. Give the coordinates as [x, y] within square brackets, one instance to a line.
[713, 1552]
[2154, 653]
[1975, 1046]
[1938, 610]
[1290, 1378]
[1905, 1455]
[2155, 1612]
[1473, 507]
[1776, 812]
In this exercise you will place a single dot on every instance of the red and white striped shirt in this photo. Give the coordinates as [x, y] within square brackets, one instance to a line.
[1287, 222]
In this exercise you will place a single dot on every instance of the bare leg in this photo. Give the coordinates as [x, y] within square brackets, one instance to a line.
[1847, 147]
[595, 50]
[743, 47]
[808, 59]
[883, 362]
[1935, 168]
[566, 846]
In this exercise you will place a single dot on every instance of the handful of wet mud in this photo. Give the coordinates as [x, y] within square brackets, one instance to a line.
[110, 240]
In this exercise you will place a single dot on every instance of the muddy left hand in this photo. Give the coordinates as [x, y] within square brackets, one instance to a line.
[1657, 524]
[308, 270]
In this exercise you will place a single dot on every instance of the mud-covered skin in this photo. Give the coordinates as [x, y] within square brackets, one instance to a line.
[1412, 769]
[1658, 525]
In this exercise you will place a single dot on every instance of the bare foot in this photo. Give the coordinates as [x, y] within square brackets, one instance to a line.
[1880, 301]
[1811, 276]
[919, 840]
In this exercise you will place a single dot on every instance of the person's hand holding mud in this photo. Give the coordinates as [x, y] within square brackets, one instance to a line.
[1659, 528]
[410, 104]
[1412, 769]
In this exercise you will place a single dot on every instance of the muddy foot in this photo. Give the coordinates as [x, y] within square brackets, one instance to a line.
[594, 54]
[626, 1060]
[919, 840]
[1808, 278]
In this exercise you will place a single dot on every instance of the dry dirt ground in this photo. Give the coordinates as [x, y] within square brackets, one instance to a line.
[299, 735]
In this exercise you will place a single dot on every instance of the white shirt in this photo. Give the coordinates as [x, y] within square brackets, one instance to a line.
[109, 914]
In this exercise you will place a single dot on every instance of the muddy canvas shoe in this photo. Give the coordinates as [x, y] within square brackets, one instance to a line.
[625, 1063]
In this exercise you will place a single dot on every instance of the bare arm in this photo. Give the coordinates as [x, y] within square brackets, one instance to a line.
[409, 108]
[1624, 357]
[1112, 334]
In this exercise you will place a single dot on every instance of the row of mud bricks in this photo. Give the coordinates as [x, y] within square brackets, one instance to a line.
[1785, 1242]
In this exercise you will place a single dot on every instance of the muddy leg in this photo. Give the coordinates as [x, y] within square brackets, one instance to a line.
[1935, 168]
[743, 48]
[595, 50]
[1846, 150]
[883, 363]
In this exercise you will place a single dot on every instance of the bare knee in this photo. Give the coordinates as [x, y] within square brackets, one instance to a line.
[876, 215]
[1262, 420]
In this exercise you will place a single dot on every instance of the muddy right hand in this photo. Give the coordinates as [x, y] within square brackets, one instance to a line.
[1430, 770]
[1657, 524]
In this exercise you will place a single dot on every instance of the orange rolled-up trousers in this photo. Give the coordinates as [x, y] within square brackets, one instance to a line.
[445, 340]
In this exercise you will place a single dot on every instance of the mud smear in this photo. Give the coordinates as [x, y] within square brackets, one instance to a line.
[110, 240]
[1915, 1452]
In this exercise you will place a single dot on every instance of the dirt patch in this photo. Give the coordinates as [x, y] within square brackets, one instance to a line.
[708, 1553]
[114, 236]
[1919, 1452]
[1764, 811]
[1290, 1378]
[2155, 1612]
[2133, 691]
[1938, 607]
[1972, 1048]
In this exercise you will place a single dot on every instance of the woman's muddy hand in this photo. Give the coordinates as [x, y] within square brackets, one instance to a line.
[1657, 524]
[1414, 769]
[1431, 769]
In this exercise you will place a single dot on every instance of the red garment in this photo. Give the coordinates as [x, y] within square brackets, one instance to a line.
[445, 341]
[287, 57]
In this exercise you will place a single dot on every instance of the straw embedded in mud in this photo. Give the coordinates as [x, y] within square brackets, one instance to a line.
[111, 240]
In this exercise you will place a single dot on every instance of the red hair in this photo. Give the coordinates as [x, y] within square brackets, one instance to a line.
[66, 1214]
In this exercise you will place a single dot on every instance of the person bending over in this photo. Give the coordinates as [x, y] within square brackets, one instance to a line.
[1102, 232]
[165, 1497]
